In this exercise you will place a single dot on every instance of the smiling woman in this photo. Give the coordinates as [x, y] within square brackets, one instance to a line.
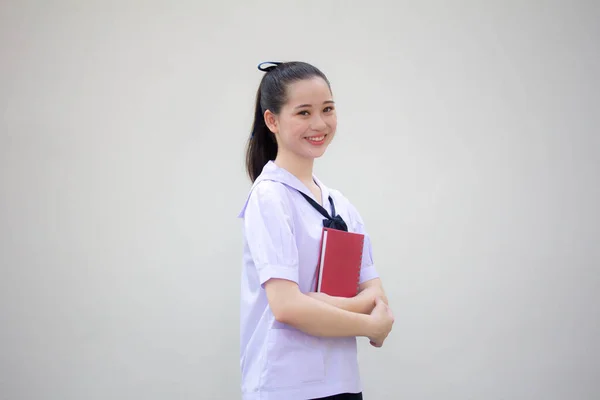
[295, 343]
[308, 117]
[294, 107]
[306, 110]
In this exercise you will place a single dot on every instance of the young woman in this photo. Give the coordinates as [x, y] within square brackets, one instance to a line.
[296, 343]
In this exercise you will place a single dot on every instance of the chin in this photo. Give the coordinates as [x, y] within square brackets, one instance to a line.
[318, 150]
[316, 153]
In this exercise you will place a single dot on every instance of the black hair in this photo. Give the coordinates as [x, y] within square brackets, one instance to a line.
[272, 95]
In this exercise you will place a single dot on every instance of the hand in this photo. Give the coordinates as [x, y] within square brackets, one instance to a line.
[382, 321]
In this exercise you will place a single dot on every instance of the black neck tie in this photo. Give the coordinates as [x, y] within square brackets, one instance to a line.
[335, 222]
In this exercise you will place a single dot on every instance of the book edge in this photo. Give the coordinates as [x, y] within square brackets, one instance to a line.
[323, 246]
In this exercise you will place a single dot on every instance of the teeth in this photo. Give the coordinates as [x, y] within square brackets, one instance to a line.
[316, 139]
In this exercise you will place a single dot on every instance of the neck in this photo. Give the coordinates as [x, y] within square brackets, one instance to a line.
[300, 167]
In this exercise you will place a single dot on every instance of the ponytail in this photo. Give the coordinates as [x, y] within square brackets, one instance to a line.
[272, 95]
[262, 146]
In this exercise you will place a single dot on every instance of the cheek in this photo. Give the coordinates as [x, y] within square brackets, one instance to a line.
[332, 122]
[298, 128]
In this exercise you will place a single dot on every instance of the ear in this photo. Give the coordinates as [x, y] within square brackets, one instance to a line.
[271, 121]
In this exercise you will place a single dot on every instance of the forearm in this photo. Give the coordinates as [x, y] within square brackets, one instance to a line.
[373, 292]
[319, 318]
[362, 303]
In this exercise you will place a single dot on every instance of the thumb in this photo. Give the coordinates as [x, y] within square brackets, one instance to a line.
[390, 313]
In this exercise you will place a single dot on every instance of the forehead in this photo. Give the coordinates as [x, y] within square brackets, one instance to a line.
[308, 91]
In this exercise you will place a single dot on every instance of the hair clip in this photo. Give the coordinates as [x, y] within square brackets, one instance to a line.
[273, 65]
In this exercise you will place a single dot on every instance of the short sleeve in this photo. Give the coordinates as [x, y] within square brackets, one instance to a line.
[367, 271]
[269, 231]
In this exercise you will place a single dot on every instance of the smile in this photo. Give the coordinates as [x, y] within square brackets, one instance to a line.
[316, 140]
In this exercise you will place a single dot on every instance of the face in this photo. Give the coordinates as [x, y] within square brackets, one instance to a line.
[306, 124]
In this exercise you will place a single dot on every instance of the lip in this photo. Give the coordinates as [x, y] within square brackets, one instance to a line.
[316, 143]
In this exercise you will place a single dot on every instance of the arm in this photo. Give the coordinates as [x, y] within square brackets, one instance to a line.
[270, 237]
[317, 318]
[363, 302]
[370, 286]
[373, 288]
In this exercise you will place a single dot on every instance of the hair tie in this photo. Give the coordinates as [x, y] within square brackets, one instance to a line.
[273, 65]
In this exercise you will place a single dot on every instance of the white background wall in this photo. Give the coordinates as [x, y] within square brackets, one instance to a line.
[468, 138]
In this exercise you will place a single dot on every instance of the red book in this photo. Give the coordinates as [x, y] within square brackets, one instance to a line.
[340, 260]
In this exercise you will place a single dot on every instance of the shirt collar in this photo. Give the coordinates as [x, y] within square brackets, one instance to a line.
[272, 172]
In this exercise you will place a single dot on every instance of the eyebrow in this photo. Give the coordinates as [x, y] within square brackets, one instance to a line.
[310, 105]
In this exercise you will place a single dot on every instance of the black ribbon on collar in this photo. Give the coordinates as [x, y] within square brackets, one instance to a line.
[335, 222]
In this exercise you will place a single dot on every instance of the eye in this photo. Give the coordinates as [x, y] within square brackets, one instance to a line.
[328, 109]
[304, 112]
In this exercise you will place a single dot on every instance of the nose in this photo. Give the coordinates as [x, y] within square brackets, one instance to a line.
[318, 123]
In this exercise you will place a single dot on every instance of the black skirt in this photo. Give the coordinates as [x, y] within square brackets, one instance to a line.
[343, 396]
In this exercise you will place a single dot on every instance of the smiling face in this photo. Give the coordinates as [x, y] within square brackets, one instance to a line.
[307, 122]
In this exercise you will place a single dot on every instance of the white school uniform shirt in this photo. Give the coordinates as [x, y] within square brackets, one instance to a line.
[282, 234]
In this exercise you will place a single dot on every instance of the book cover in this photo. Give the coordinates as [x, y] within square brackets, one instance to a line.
[338, 272]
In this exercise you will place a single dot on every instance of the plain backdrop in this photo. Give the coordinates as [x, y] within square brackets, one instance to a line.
[468, 139]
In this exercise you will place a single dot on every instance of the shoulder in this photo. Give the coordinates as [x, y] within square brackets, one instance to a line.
[339, 197]
[343, 203]
[268, 190]
[341, 200]
[266, 196]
